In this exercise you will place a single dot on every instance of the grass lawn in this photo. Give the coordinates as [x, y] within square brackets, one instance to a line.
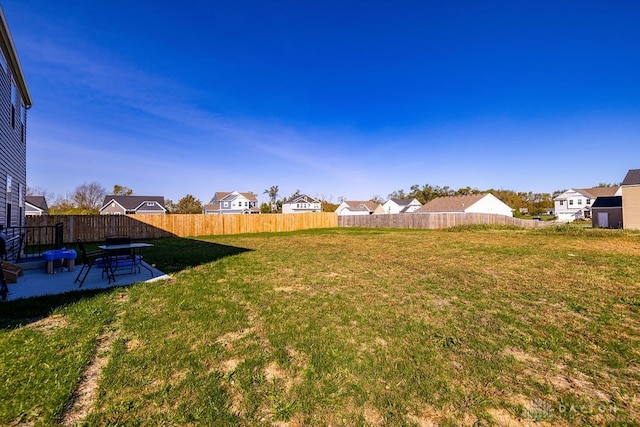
[472, 326]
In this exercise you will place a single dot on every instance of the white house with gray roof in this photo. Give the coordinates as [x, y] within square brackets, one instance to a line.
[35, 206]
[395, 206]
[357, 207]
[232, 202]
[575, 204]
[301, 203]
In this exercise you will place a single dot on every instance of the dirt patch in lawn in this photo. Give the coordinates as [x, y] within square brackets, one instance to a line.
[49, 324]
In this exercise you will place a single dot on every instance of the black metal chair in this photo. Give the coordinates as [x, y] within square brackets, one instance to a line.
[121, 258]
[119, 240]
[88, 259]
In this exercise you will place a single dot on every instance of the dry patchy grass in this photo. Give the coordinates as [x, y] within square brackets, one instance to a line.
[385, 327]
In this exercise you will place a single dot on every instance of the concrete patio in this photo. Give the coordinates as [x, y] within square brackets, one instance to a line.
[36, 281]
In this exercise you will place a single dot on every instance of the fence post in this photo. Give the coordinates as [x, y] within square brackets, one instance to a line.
[59, 235]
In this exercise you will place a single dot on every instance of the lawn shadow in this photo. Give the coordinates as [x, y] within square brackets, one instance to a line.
[169, 255]
[174, 254]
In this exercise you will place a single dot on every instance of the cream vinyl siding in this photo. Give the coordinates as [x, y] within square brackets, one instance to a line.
[631, 207]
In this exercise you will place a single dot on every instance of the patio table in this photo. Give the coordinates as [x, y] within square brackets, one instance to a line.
[113, 259]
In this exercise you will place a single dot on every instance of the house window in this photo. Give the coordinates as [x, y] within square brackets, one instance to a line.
[151, 204]
[570, 202]
[588, 201]
[225, 204]
[580, 201]
[14, 102]
[14, 93]
[561, 202]
[9, 191]
[3, 61]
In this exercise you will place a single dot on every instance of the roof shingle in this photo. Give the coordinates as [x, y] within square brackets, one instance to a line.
[451, 203]
[632, 178]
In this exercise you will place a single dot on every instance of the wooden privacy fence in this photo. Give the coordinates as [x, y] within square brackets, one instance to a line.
[94, 228]
[431, 220]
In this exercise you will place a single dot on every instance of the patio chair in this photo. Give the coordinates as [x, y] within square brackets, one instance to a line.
[121, 258]
[119, 240]
[88, 260]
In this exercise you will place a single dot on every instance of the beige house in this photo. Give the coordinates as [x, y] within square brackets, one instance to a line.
[631, 200]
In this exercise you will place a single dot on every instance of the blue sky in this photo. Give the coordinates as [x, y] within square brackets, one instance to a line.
[334, 98]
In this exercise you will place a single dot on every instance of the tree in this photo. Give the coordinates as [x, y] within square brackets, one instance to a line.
[119, 190]
[187, 205]
[37, 191]
[398, 194]
[265, 208]
[89, 197]
[273, 196]
[63, 206]
[326, 203]
[376, 199]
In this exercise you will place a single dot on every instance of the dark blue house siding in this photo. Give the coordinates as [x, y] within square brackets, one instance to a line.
[13, 127]
[13, 160]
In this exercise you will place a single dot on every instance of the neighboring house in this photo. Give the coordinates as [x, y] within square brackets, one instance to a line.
[353, 207]
[35, 206]
[15, 100]
[395, 206]
[606, 212]
[301, 203]
[476, 203]
[232, 203]
[131, 205]
[576, 203]
[631, 200]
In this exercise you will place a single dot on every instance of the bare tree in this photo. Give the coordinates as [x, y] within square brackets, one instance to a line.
[89, 197]
[37, 191]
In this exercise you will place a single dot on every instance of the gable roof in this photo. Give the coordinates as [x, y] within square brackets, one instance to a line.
[302, 198]
[608, 202]
[632, 178]
[358, 205]
[38, 201]
[131, 203]
[220, 195]
[599, 191]
[404, 202]
[13, 61]
[451, 203]
[590, 193]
